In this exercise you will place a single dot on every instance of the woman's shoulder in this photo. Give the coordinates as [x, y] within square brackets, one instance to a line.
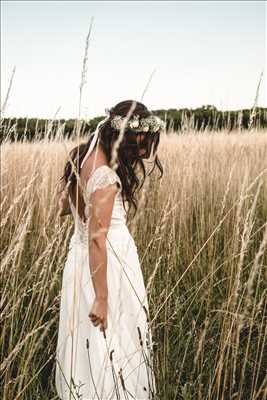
[102, 176]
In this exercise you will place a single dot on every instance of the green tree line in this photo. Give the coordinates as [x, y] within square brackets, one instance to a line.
[203, 118]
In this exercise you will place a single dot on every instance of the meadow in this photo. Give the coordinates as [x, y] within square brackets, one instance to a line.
[201, 233]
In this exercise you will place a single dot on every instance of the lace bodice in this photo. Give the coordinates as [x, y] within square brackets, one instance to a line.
[101, 177]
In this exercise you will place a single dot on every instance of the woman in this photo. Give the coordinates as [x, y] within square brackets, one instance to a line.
[103, 285]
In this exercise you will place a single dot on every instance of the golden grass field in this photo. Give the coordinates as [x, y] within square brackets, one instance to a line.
[201, 233]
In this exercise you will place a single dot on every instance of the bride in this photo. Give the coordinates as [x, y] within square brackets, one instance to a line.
[104, 346]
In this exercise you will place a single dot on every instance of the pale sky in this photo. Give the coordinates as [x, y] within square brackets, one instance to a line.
[202, 52]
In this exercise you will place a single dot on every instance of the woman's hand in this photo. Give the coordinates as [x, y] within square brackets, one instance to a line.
[98, 313]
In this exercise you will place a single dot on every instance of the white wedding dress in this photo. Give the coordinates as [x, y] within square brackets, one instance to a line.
[88, 365]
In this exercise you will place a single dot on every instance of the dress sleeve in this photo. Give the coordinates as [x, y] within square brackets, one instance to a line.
[103, 177]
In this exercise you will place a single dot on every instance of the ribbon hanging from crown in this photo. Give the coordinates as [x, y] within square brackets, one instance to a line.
[95, 138]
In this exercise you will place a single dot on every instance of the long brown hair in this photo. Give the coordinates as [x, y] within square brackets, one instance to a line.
[128, 158]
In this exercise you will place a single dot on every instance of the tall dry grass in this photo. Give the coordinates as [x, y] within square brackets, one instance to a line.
[201, 232]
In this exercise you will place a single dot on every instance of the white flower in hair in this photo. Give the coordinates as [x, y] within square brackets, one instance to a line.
[134, 123]
[116, 122]
[158, 123]
[147, 123]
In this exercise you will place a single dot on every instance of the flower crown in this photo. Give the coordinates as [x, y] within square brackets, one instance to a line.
[152, 123]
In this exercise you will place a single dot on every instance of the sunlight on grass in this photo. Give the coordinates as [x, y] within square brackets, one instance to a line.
[201, 232]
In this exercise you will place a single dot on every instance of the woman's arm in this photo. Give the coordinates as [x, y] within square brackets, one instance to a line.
[101, 203]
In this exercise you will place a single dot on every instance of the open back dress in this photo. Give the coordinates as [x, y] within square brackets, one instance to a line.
[119, 364]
